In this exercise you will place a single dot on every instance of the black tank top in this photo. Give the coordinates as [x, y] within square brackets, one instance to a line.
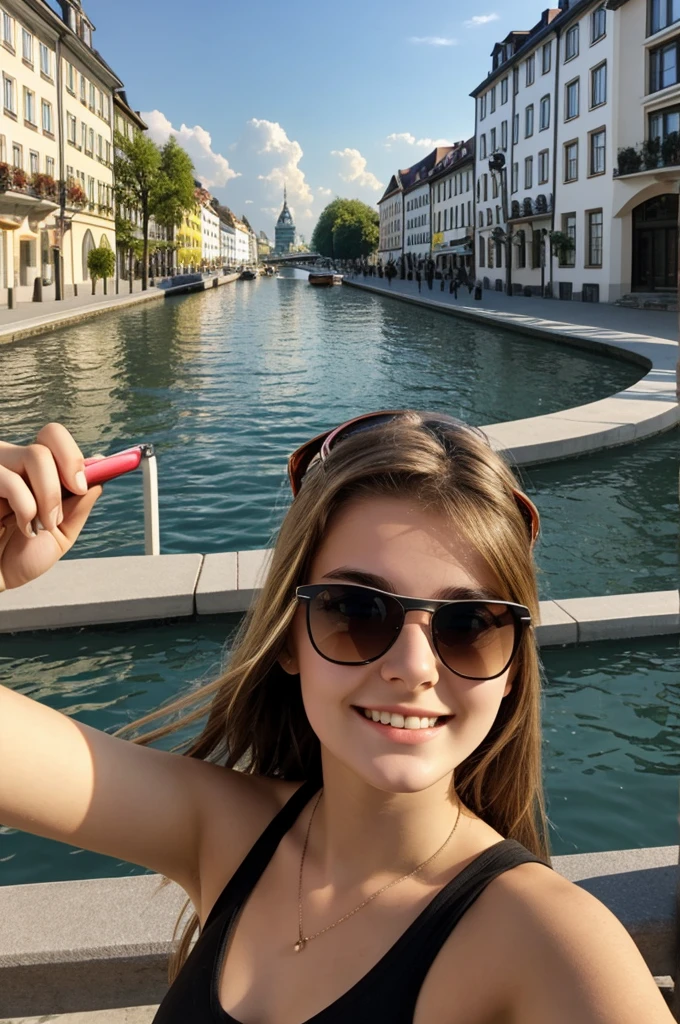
[390, 989]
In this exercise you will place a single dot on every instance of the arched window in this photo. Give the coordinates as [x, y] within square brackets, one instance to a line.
[88, 245]
[521, 248]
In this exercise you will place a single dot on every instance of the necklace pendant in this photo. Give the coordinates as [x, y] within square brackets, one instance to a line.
[300, 945]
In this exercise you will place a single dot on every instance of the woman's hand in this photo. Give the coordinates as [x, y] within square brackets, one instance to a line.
[31, 477]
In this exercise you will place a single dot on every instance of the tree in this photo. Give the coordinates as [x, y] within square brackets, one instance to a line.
[101, 263]
[176, 192]
[137, 176]
[346, 229]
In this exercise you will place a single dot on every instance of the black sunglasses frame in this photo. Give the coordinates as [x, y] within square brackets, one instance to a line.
[521, 616]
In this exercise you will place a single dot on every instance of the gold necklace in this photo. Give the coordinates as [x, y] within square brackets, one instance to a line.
[304, 939]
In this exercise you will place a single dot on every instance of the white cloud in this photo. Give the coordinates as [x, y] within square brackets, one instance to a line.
[278, 159]
[212, 169]
[406, 139]
[249, 202]
[324, 191]
[434, 40]
[354, 168]
[481, 19]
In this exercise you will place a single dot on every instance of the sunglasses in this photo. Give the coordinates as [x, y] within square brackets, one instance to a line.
[350, 624]
[321, 445]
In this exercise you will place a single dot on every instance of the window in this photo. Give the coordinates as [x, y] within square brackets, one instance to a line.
[492, 140]
[17, 155]
[8, 30]
[45, 60]
[490, 252]
[71, 128]
[3, 148]
[598, 23]
[571, 45]
[29, 106]
[8, 94]
[504, 90]
[504, 135]
[494, 186]
[515, 129]
[572, 100]
[546, 58]
[568, 257]
[598, 147]
[571, 161]
[70, 78]
[529, 121]
[515, 177]
[515, 81]
[27, 46]
[100, 103]
[663, 66]
[92, 96]
[47, 116]
[33, 162]
[543, 166]
[530, 65]
[83, 89]
[529, 172]
[482, 148]
[83, 136]
[663, 122]
[481, 251]
[544, 115]
[594, 222]
[663, 13]
[90, 190]
[521, 249]
[49, 166]
[492, 96]
[598, 85]
[482, 107]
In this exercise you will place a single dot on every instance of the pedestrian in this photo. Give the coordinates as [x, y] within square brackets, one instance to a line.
[478, 290]
[419, 278]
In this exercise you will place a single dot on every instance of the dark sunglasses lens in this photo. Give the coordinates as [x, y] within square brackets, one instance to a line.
[475, 640]
[351, 625]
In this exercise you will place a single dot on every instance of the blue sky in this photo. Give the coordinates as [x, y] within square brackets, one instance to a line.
[308, 93]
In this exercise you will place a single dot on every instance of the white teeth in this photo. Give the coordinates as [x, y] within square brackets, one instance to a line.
[399, 721]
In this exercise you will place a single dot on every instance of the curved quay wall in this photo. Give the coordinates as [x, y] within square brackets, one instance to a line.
[648, 407]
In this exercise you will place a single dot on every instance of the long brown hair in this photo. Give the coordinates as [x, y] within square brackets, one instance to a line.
[256, 719]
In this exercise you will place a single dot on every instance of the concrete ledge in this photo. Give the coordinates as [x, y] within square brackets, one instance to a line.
[92, 591]
[68, 947]
[623, 615]
[647, 408]
[137, 588]
[55, 321]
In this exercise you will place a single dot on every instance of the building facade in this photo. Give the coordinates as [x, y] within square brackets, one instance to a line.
[284, 232]
[452, 194]
[210, 236]
[391, 216]
[242, 240]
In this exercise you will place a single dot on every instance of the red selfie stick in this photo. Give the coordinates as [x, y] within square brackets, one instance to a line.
[100, 471]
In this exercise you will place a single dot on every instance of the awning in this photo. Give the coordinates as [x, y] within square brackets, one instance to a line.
[461, 250]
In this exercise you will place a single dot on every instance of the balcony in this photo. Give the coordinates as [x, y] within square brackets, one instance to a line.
[529, 209]
[650, 156]
[26, 195]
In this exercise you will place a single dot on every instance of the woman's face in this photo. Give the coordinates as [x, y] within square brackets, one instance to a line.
[396, 546]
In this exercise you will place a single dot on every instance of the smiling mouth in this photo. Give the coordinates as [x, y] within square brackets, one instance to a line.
[410, 723]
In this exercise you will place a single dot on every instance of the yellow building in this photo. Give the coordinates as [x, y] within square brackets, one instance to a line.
[189, 239]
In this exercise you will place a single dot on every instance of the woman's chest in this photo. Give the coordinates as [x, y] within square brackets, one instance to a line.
[263, 980]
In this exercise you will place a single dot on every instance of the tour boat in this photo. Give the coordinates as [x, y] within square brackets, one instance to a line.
[248, 275]
[321, 277]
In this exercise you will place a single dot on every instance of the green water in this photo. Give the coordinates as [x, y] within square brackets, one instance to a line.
[611, 729]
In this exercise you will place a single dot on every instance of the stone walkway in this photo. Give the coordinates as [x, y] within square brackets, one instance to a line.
[128, 1015]
[648, 338]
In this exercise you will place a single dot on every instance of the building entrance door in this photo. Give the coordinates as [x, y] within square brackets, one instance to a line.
[655, 245]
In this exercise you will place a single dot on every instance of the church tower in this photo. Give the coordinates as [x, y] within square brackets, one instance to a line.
[285, 229]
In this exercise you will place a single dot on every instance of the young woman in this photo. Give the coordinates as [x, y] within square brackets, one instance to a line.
[360, 824]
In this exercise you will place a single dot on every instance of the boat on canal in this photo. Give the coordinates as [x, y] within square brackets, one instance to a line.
[248, 275]
[324, 278]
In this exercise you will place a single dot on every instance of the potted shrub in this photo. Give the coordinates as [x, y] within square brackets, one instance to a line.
[562, 245]
[651, 152]
[19, 178]
[670, 150]
[5, 176]
[75, 194]
[629, 160]
[44, 185]
[101, 263]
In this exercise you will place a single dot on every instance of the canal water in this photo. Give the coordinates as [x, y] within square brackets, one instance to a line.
[611, 728]
[227, 383]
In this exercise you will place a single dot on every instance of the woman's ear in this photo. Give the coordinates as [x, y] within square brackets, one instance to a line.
[288, 662]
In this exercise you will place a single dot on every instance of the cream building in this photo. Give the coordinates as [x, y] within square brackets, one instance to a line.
[242, 243]
[210, 234]
[29, 150]
[452, 207]
[391, 215]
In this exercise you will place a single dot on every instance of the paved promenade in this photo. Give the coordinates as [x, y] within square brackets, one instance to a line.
[645, 337]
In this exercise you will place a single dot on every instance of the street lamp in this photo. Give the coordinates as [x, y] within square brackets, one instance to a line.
[497, 166]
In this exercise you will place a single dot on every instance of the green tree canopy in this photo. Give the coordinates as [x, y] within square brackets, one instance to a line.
[176, 194]
[347, 229]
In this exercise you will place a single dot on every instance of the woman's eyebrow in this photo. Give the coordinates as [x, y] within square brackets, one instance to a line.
[369, 579]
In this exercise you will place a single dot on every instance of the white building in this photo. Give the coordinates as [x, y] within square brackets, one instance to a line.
[391, 214]
[227, 244]
[515, 112]
[210, 236]
[452, 207]
[242, 253]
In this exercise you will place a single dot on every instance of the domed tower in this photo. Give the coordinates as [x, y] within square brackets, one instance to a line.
[285, 229]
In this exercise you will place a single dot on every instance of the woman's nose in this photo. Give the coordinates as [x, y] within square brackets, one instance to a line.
[412, 658]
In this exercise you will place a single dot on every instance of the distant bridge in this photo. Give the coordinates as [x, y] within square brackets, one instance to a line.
[284, 258]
